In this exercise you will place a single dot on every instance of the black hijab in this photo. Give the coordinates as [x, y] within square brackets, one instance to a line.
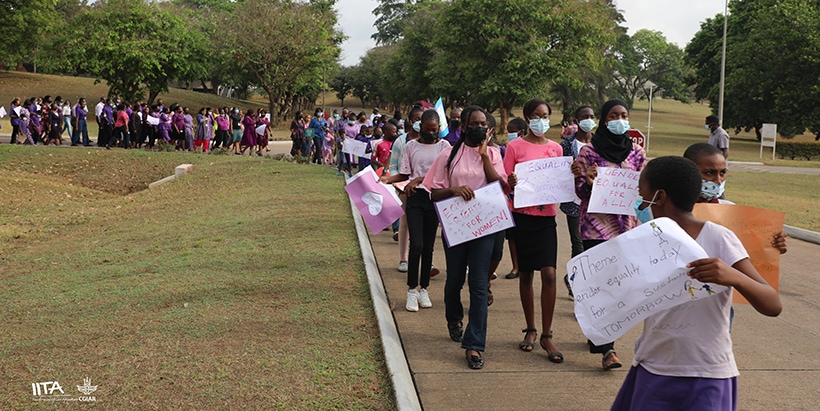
[612, 147]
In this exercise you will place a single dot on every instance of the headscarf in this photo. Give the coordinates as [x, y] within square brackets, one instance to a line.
[612, 147]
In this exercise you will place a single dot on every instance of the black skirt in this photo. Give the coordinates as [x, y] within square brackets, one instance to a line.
[536, 241]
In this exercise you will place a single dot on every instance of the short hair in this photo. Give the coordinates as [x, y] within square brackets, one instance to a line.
[712, 119]
[697, 151]
[679, 177]
[579, 109]
[428, 115]
[532, 104]
[518, 123]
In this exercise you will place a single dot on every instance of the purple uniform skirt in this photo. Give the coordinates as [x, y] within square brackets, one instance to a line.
[643, 390]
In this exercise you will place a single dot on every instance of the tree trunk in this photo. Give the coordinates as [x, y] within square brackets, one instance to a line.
[505, 115]
[215, 87]
[21, 67]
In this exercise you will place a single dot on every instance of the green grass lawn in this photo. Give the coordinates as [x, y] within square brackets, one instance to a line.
[239, 286]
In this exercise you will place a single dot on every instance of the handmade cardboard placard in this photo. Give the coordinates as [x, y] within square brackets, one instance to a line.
[634, 275]
[544, 181]
[486, 214]
[755, 228]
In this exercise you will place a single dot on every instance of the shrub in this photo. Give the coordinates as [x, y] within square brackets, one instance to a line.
[163, 145]
[798, 149]
[219, 151]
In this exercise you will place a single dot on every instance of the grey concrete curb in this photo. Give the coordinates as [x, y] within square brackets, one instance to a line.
[407, 397]
[802, 234]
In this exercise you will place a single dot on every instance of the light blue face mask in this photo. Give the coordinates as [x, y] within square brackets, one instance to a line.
[417, 126]
[539, 126]
[586, 125]
[706, 126]
[710, 190]
[618, 126]
[645, 215]
[512, 136]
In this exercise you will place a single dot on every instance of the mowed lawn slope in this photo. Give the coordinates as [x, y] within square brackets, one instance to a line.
[239, 286]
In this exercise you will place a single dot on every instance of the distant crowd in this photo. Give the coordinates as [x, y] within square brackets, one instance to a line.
[41, 120]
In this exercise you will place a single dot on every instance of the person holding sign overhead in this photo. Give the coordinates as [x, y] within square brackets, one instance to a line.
[417, 158]
[610, 147]
[683, 358]
[534, 234]
[457, 171]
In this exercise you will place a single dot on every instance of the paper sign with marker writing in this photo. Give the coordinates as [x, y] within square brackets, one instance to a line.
[755, 228]
[633, 276]
[355, 147]
[486, 214]
[614, 191]
[153, 120]
[377, 202]
[544, 181]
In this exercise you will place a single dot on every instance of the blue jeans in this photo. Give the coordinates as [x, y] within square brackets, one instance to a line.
[67, 126]
[476, 254]
[82, 130]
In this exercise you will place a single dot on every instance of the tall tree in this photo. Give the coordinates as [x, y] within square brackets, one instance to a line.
[772, 70]
[497, 54]
[391, 17]
[25, 24]
[341, 83]
[284, 46]
[133, 46]
[646, 57]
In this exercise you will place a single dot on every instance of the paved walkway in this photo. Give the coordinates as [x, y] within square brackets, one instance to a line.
[777, 357]
[762, 168]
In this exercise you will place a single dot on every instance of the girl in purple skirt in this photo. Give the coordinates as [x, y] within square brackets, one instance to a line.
[683, 358]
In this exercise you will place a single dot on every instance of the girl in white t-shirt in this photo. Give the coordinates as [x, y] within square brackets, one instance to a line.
[683, 358]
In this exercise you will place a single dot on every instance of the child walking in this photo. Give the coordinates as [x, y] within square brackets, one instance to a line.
[683, 358]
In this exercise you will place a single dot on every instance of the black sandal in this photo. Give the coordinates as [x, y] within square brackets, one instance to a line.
[490, 298]
[456, 331]
[554, 357]
[527, 346]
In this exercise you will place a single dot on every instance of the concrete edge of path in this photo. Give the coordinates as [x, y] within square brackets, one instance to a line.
[407, 397]
[802, 234]
[179, 171]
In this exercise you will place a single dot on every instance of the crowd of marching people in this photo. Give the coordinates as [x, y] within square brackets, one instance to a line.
[43, 120]
[671, 367]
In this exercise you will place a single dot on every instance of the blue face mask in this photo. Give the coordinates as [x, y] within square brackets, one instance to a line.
[618, 126]
[539, 126]
[710, 190]
[645, 215]
[706, 126]
[417, 126]
[512, 136]
[587, 125]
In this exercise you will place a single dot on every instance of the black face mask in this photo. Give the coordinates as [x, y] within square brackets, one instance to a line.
[476, 135]
[455, 123]
[427, 136]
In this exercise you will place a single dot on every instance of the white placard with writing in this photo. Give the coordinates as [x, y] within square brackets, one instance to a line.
[639, 273]
[153, 120]
[614, 191]
[355, 147]
[3, 112]
[485, 214]
[544, 181]
[261, 129]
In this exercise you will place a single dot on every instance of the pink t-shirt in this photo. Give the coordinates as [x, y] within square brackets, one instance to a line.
[520, 151]
[417, 158]
[467, 168]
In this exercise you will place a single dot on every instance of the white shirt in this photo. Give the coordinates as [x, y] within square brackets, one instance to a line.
[692, 339]
[66, 111]
[99, 108]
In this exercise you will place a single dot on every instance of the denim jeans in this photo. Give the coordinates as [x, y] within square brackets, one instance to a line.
[81, 131]
[476, 255]
[67, 126]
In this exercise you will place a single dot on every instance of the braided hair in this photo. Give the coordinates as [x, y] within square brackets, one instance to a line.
[465, 118]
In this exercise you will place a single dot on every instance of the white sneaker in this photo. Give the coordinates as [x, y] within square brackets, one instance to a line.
[402, 267]
[412, 300]
[424, 299]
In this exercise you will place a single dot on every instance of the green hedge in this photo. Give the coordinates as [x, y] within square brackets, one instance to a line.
[798, 149]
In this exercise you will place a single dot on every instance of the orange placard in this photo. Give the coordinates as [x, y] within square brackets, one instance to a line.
[756, 228]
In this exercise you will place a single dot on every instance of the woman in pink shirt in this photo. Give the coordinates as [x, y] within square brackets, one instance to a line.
[120, 129]
[535, 237]
[468, 165]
